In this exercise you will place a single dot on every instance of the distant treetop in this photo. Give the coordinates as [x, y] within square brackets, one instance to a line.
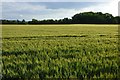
[80, 18]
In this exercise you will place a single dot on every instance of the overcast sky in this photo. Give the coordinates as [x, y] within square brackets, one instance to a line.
[54, 10]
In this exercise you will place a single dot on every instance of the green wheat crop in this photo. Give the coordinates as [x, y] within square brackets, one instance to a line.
[60, 51]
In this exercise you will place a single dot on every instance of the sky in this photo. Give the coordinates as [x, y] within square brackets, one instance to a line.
[55, 9]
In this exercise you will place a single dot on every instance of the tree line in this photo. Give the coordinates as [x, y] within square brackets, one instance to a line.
[80, 18]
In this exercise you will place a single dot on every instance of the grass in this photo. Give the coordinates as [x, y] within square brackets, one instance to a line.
[60, 51]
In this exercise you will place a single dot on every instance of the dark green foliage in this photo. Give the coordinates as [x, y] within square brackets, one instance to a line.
[93, 18]
[81, 18]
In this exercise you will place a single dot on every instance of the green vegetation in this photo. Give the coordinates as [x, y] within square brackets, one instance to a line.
[60, 51]
[80, 18]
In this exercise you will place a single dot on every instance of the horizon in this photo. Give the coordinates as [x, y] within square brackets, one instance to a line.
[51, 18]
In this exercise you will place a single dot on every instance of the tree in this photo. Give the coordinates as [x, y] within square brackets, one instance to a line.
[80, 18]
[23, 21]
[91, 17]
[34, 20]
[117, 19]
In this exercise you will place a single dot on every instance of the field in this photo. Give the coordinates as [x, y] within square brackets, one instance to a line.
[60, 51]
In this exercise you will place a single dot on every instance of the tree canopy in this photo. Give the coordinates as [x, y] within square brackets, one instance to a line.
[80, 18]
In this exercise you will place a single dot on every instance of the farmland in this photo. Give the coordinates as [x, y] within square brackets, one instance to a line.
[60, 51]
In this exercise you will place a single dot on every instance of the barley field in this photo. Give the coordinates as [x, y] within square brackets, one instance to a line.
[60, 51]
